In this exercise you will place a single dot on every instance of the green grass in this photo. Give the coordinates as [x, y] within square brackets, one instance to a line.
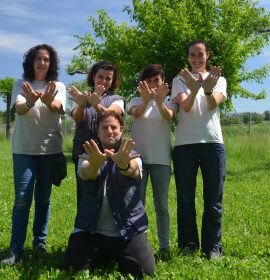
[246, 220]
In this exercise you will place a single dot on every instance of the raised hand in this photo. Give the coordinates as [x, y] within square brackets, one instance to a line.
[99, 90]
[161, 93]
[48, 96]
[144, 91]
[29, 93]
[93, 98]
[94, 156]
[123, 156]
[190, 81]
[77, 96]
[211, 80]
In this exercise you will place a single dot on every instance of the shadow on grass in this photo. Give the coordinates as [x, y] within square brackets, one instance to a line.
[50, 266]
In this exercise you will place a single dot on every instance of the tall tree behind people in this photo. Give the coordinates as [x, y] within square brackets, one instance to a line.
[232, 28]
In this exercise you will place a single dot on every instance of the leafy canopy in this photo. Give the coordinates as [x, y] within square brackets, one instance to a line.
[6, 86]
[160, 30]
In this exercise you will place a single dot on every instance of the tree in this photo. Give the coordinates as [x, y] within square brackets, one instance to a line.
[160, 30]
[6, 86]
[266, 115]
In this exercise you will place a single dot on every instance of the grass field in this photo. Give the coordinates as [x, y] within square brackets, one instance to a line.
[246, 220]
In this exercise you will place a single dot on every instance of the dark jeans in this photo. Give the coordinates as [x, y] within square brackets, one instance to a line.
[88, 251]
[211, 159]
[78, 183]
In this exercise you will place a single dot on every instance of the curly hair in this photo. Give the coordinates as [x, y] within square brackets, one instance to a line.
[108, 114]
[28, 63]
[106, 65]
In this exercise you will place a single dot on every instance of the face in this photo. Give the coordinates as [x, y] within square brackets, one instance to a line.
[41, 64]
[154, 82]
[110, 132]
[104, 78]
[198, 57]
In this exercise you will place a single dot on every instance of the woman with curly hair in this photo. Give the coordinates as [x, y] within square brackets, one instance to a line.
[39, 100]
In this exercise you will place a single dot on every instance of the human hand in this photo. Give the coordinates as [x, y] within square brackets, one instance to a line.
[48, 96]
[77, 96]
[190, 81]
[93, 98]
[94, 156]
[30, 94]
[161, 93]
[211, 80]
[123, 156]
[99, 90]
[144, 91]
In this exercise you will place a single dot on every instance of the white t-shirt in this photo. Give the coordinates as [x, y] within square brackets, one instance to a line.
[152, 133]
[199, 125]
[38, 132]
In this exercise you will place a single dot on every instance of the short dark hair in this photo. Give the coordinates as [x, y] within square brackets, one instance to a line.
[29, 58]
[198, 41]
[150, 71]
[108, 114]
[106, 65]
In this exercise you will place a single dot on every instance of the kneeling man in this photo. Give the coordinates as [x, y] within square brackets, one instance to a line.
[111, 221]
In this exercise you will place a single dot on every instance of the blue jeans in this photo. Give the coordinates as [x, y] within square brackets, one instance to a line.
[211, 159]
[32, 175]
[160, 180]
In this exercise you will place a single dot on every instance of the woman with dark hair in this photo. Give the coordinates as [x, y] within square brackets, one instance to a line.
[151, 133]
[199, 143]
[39, 100]
[103, 78]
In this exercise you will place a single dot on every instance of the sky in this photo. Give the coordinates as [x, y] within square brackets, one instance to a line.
[26, 23]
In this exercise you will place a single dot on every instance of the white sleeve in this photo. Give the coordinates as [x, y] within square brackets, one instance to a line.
[120, 103]
[16, 92]
[139, 162]
[80, 163]
[178, 86]
[135, 101]
[172, 106]
[221, 86]
[61, 94]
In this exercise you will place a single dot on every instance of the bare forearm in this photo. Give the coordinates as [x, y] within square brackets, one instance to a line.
[137, 111]
[88, 172]
[165, 112]
[101, 109]
[78, 114]
[187, 103]
[132, 171]
[214, 100]
[56, 106]
[21, 108]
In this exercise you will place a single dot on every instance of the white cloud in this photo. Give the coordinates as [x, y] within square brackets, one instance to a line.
[19, 43]
[18, 12]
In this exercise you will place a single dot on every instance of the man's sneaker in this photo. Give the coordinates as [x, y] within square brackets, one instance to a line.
[12, 259]
[40, 249]
[214, 254]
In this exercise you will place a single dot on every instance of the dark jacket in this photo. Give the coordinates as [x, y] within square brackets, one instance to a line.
[123, 195]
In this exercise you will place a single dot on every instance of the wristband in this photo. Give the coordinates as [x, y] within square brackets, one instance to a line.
[124, 169]
[29, 105]
[208, 93]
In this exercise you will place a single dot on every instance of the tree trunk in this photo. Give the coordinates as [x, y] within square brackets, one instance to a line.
[8, 125]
